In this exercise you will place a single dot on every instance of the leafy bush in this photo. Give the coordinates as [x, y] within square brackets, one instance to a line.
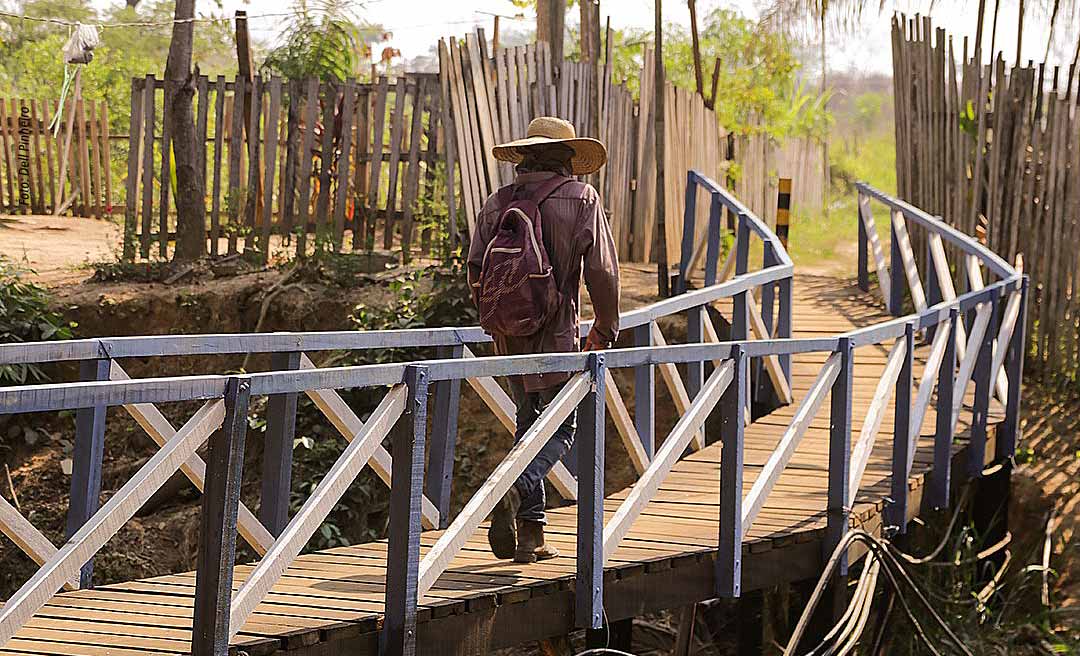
[25, 316]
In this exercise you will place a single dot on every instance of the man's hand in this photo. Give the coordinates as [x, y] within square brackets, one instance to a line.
[594, 342]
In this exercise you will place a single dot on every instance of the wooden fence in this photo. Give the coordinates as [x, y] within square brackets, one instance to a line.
[354, 164]
[492, 99]
[996, 150]
[39, 171]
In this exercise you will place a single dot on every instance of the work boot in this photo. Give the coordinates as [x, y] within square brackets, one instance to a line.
[502, 534]
[531, 546]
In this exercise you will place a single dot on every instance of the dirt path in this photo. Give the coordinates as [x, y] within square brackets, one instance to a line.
[57, 247]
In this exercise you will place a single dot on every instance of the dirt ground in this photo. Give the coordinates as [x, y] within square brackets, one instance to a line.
[58, 248]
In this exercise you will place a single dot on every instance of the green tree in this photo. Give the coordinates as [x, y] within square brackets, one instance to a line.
[324, 39]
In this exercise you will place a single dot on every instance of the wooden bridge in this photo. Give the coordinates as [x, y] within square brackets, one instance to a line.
[879, 410]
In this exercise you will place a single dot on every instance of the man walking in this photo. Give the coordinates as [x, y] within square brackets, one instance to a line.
[533, 243]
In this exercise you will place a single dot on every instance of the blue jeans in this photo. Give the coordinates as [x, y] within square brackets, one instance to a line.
[530, 485]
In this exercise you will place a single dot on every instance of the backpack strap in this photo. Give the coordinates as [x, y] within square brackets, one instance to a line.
[547, 188]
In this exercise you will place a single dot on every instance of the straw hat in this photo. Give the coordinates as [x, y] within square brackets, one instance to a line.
[589, 154]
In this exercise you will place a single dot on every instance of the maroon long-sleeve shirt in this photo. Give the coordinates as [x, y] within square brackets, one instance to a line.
[578, 241]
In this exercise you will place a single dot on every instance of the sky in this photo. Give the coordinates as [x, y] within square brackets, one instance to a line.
[418, 24]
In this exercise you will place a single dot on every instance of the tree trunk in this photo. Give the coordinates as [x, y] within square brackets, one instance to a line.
[179, 91]
[550, 23]
[979, 30]
[662, 280]
[825, 106]
[698, 78]
[1020, 32]
[993, 32]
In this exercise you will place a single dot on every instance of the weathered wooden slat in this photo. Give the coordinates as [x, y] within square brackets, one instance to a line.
[670, 451]
[161, 430]
[911, 271]
[311, 515]
[67, 561]
[348, 104]
[271, 118]
[131, 194]
[789, 442]
[875, 247]
[401, 94]
[350, 426]
[500, 403]
[674, 382]
[860, 453]
[219, 142]
[147, 168]
[412, 180]
[620, 416]
[28, 538]
[500, 480]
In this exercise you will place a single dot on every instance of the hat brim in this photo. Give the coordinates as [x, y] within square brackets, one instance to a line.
[589, 154]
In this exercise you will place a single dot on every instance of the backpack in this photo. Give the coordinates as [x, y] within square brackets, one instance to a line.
[516, 292]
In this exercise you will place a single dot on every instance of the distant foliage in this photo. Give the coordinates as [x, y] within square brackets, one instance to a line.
[325, 40]
[759, 88]
[25, 316]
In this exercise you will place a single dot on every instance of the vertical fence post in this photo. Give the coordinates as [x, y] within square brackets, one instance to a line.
[839, 504]
[864, 247]
[983, 392]
[902, 437]
[941, 474]
[217, 531]
[689, 218]
[444, 429]
[86, 461]
[589, 596]
[645, 393]
[278, 450]
[1008, 432]
[403, 545]
[732, 406]
[897, 280]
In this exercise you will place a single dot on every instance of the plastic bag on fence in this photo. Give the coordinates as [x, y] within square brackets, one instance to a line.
[79, 48]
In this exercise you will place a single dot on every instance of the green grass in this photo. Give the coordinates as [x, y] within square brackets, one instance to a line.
[823, 238]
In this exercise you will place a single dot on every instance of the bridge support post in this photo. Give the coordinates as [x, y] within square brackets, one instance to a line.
[897, 281]
[217, 530]
[983, 392]
[695, 334]
[444, 429]
[1009, 430]
[864, 248]
[732, 406]
[86, 461]
[645, 393]
[688, 236]
[763, 392]
[941, 474]
[839, 494]
[933, 288]
[783, 323]
[712, 254]
[589, 588]
[398, 636]
[896, 512]
[278, 449]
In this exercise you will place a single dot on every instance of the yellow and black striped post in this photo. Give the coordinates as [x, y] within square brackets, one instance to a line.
[783, 210]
